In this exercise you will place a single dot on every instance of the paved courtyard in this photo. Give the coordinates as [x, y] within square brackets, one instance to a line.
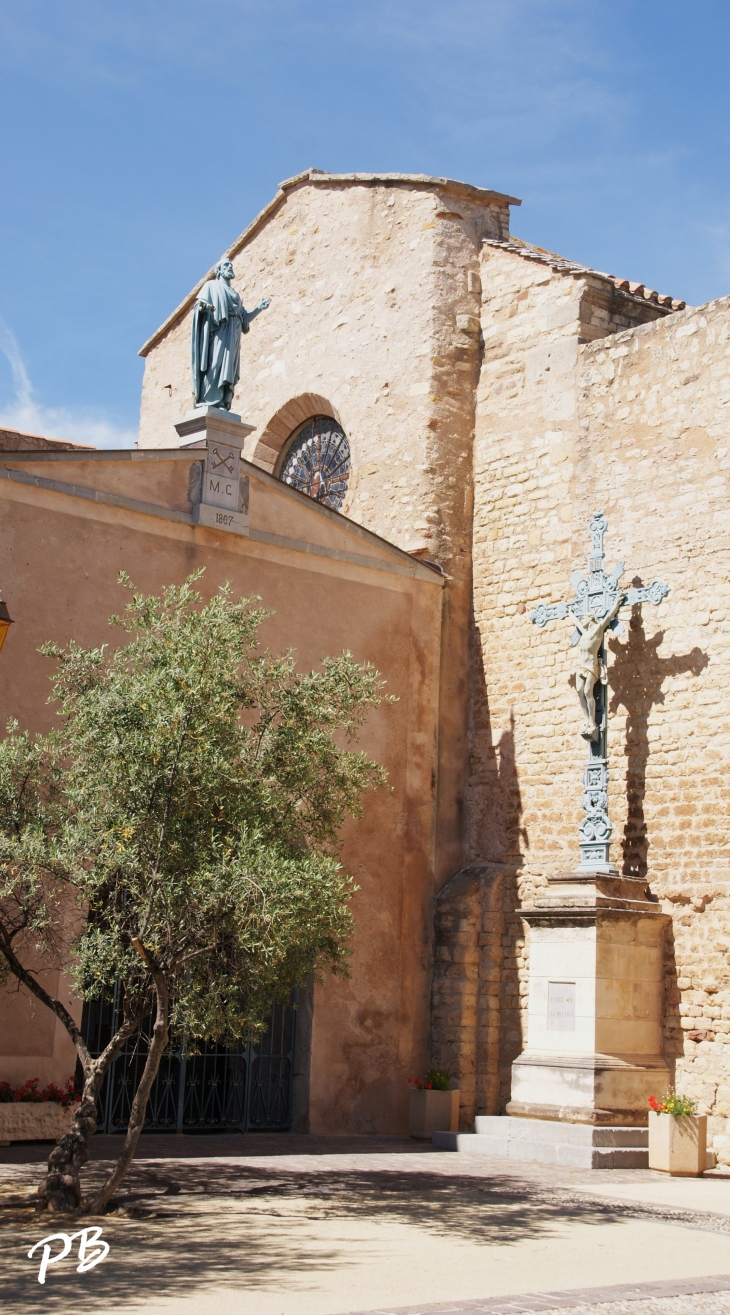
[283, 1225]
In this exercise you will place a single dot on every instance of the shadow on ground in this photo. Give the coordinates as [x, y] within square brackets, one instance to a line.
[205, 1224]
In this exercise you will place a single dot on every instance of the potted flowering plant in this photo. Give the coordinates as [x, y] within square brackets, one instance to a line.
[432, 1105]
[35, 1113]
[677, 1136]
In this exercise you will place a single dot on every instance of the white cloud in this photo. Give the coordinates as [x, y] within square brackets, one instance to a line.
[31, 417]
[10, 349]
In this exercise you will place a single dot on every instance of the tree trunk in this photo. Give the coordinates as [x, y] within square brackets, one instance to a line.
[95, 1205]
[60, 1190]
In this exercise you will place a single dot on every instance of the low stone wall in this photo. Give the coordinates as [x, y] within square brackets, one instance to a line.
[31, 1121]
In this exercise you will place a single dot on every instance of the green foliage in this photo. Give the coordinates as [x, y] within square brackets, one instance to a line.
[31, 868]
[672, 1103]
[436, 1079]
[192, 800]
[439, 1079]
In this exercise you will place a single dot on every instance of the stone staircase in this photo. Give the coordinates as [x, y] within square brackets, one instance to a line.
[568, 1145]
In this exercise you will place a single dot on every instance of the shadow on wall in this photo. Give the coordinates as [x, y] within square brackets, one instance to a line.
[479, 953]
[673, 1036]
[636, 679]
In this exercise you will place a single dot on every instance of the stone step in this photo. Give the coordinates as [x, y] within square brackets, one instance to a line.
[578, 1134]
[567, 1145]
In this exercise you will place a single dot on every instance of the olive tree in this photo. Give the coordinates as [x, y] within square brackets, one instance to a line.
[186, 813]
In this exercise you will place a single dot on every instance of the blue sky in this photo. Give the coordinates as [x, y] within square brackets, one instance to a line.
[139, 138]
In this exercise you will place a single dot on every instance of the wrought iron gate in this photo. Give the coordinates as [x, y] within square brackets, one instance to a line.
[246, 1089]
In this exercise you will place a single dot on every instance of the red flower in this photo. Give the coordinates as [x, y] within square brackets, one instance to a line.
[31, 1092]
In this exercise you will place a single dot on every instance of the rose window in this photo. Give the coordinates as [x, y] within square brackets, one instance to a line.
[318, 462]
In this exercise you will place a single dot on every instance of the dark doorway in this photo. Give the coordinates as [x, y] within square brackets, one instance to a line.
[245, 1089]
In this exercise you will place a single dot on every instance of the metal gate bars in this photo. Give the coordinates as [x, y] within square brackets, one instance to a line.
[247, 1088]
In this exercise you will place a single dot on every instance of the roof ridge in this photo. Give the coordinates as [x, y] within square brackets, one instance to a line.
[431, 180]
[562, 265]
[313, 175]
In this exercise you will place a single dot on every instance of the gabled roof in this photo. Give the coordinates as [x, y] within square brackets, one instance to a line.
[12, 440]
[561, 265]
[366, 548]
[316, 176]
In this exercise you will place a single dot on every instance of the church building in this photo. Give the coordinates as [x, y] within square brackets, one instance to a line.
[435, 413]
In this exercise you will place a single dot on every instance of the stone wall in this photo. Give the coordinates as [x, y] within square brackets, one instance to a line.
[374, 312]
[636, 425]
[654, 451]
[466, 1004]
[374, 320]
[486, 444]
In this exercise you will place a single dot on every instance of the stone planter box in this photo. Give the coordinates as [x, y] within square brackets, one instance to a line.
[22, 1120]
[432, 1111]
[678, 1144]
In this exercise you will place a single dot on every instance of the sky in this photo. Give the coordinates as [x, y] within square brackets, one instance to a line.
[137, 139]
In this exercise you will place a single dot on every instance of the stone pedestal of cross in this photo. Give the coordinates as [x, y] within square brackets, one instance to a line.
[595, 609]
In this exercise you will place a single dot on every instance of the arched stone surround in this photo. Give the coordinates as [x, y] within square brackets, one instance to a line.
[285, 421]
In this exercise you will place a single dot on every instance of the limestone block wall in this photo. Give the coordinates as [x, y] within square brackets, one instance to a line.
[635, 424]
[522, 462]
[466, 1004]
[654, 412]
[374, 319]
[366, 282]
[535, 319]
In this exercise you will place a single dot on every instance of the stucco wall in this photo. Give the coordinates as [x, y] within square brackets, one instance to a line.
[331, 587]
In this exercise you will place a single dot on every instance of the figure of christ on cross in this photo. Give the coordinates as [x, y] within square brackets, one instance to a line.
[593, 611]
[590, 665]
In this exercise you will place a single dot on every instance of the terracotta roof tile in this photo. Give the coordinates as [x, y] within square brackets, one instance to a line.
[563, 266]
[12, 440]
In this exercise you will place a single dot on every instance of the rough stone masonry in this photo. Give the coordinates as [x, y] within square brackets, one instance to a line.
[494, 395]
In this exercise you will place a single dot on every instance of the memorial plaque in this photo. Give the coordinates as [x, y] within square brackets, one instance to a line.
[218, 519]
[561, 1006]
[222, 466]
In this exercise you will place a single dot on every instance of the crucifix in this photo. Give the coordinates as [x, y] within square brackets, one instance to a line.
[594, 610]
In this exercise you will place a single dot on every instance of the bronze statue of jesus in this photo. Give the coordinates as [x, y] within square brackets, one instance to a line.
[589, 666]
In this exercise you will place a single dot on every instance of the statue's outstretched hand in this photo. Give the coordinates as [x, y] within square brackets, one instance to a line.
[266, 301]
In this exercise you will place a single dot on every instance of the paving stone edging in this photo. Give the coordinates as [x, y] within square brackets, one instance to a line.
[706, 1221]
[553, 1301]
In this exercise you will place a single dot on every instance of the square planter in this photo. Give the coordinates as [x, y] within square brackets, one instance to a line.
[22, 1120]
[678, 1144]
[432, 1111]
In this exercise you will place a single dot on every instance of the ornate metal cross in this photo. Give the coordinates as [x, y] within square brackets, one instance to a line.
[596, 599]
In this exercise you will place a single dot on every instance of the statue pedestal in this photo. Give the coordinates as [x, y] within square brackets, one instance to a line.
[212, 422]
[220, 498]
[594, 1052]
[594, 1042]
